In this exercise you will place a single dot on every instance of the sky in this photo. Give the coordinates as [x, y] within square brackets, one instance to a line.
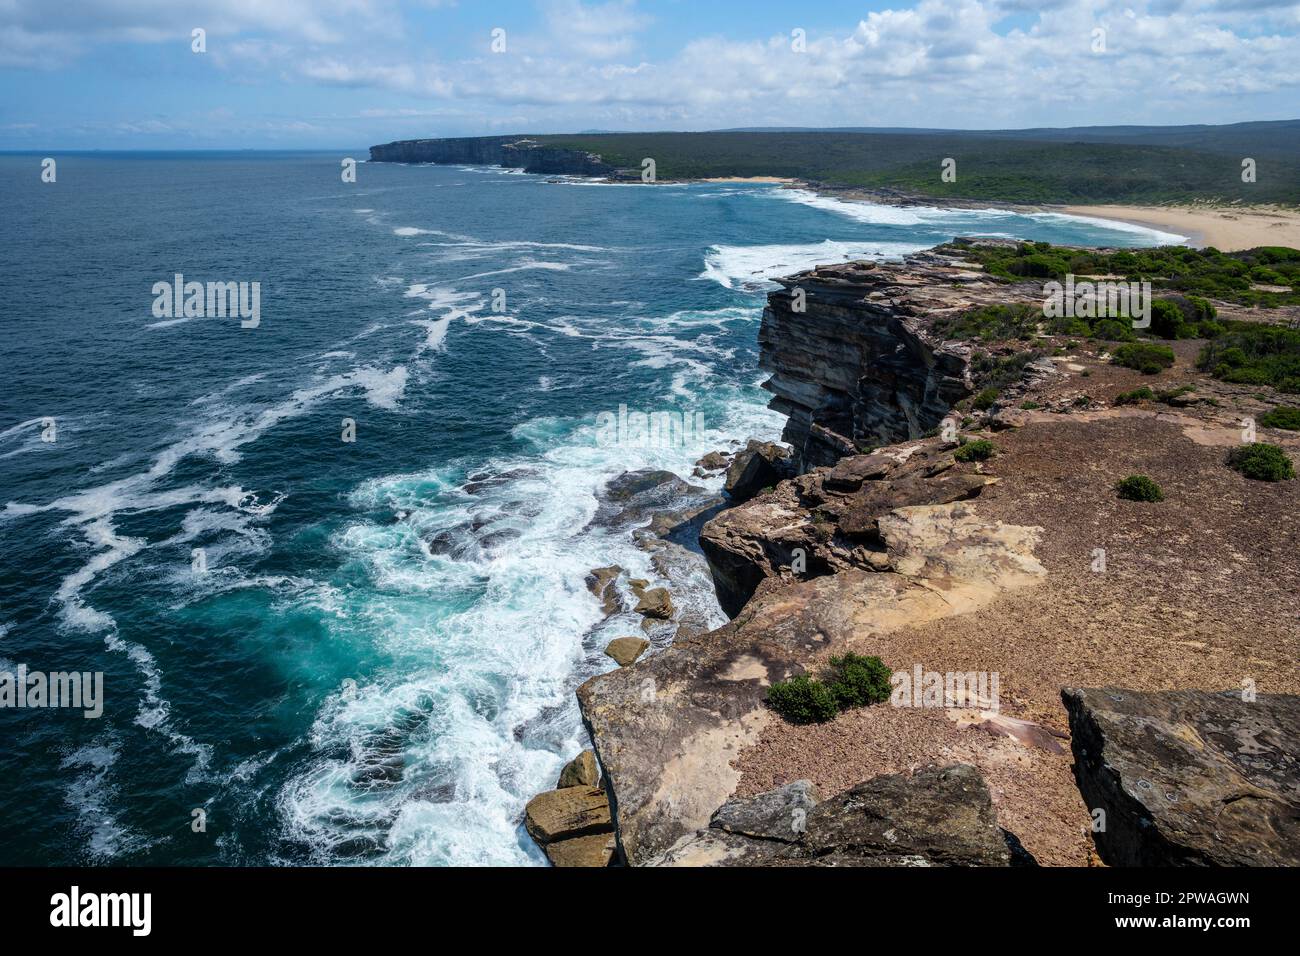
[306, 74]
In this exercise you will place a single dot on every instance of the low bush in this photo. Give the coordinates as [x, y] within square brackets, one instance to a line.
[856, 681]
[985, 399]
[802, 700]
[979, 450]
[1147, 357]
[1143, 394]
[850, 681]
[1112, 330]
[1284, 416]
[1262, 462]
[1251, 353]
[1139, 488]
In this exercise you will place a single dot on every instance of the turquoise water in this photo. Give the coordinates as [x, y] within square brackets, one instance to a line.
[377, 662]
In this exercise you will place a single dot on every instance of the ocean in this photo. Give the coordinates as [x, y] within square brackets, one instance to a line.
[331, 563]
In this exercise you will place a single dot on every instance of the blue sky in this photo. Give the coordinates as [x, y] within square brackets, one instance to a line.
[347, 73]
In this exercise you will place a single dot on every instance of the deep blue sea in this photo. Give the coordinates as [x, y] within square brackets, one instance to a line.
[327, 686]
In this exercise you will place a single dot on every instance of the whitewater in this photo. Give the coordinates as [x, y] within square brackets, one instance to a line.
[360, 651]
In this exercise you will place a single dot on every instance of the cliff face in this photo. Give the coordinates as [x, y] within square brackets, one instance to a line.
[858, 367]
[509, 151]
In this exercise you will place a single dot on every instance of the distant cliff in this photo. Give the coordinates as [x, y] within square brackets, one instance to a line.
[512, 152]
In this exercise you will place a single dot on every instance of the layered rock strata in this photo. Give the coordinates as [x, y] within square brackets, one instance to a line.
[509, 151]
[855, 362]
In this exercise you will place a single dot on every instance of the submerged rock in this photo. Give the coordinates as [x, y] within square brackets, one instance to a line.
[634, 497]
[1189, 777]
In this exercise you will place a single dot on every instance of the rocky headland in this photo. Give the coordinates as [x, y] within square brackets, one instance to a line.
[1144, 706]
[511, 152]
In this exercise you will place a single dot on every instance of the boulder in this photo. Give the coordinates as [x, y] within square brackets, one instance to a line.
[600, 582]
[567, 813]
[780, 814]
[581, 771]
[760, 465]
[939, 816]
[656, 603]
[714, 461]
[1189, 777]
[625, 650]
[585, 851]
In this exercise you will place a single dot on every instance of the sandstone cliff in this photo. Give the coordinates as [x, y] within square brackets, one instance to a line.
[855, 362]
[1021, 562]
[513, 152]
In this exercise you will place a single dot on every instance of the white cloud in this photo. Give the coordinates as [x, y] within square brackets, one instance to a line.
[924, 63]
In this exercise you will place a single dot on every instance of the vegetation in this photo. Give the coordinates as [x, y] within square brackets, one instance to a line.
[802, 700]
[1139, 488]
[1037, 166]
[851, 681]
[991, 323]
[1189, 274]
[999, 372]
[986, 399]
[979, 450]
[856, 681]
[1262, 461]
[1143, 394]
[1283, 416]
[1251, 353]
[1147, 357]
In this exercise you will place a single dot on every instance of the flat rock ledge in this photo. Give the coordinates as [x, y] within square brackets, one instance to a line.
[939, 816]
[1189, 777]
[667, 728]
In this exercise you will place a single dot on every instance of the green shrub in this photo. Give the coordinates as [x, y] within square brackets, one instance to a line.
[991, 323]
[1112, 330]
[857, 681]
[802, 700]
[980, 450]
[1147, 357]
[985, 399]
[1262, 461]
[1283, 416]
[1251, 353]
[1139, 488]
[1143, 394]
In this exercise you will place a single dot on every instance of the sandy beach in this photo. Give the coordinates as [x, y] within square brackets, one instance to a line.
[1226, 228]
